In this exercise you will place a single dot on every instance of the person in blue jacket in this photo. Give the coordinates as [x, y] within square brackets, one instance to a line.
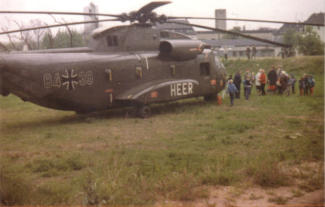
[232, 90]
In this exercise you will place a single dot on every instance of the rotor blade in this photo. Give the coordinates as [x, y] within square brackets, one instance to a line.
[58, 13]
[249, 20]
[56, 25]
[233, 33]
[151, 6]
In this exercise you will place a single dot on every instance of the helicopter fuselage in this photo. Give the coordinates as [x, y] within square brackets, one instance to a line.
[98, 81]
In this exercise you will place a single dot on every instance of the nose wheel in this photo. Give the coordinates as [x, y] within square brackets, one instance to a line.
[210, 98]
[143, 111]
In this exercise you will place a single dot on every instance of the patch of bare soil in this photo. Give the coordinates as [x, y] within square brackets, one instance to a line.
[255, 197]
[307, 190]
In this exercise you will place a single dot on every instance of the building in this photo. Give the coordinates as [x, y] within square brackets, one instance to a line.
[220, 14]
[265, 33]
[237, 47]
[318, 18]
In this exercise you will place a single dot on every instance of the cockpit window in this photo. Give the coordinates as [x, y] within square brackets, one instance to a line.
[164, 34]
[112, 40]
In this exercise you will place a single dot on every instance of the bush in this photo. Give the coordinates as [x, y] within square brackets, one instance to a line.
[269, 175]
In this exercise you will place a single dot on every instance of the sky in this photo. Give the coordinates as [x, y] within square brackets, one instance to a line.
[282, 10]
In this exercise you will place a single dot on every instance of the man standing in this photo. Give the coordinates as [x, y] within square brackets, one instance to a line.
[254, 52]
[237, 82]
[248, 53]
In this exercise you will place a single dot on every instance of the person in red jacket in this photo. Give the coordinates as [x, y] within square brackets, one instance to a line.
[262, 81]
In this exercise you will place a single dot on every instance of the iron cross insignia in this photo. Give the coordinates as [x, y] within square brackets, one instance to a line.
[70, 79]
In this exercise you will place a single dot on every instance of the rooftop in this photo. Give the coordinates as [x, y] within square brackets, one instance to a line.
[236, 43]
[316, 18]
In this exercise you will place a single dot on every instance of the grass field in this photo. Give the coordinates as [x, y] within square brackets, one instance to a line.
[51, 157]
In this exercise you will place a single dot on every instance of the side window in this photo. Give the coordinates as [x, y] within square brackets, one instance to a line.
[164, 34]
[138, 72]
[172, 70]
[112, 40]
[204, 69]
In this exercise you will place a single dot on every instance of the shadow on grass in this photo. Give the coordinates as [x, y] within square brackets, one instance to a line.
[117, 113]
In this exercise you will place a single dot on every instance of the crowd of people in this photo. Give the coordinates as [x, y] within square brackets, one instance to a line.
[277, 81]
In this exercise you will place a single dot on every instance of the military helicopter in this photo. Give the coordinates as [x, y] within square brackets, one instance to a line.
[134, 65]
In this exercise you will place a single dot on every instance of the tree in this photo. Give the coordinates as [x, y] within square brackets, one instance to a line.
[230, 36]
[307, 42]
[62, 39]
[291, 37]
[310, 43]
[31, 39]
[37, 33]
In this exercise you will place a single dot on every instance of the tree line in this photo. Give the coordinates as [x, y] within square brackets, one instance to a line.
[41, 38]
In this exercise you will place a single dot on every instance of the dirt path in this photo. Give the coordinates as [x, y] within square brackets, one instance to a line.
[256, 197]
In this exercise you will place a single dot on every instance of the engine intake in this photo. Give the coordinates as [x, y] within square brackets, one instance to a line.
[181, 49]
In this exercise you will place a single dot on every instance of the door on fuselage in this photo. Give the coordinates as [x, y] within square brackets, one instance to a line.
[205, 77]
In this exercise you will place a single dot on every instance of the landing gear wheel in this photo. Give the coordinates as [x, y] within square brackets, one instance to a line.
[144, 111]
[210, 98]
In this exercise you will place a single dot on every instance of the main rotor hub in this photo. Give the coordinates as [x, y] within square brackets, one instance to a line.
[145, 14]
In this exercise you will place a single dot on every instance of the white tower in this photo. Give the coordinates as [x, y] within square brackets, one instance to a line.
[220, 24]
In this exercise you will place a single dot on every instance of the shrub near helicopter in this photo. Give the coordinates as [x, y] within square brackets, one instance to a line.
[134, 65]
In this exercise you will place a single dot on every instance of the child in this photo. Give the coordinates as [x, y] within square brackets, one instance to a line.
[231, 90]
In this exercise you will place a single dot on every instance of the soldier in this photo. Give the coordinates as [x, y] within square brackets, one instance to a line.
[254, 52]
[248, 53]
